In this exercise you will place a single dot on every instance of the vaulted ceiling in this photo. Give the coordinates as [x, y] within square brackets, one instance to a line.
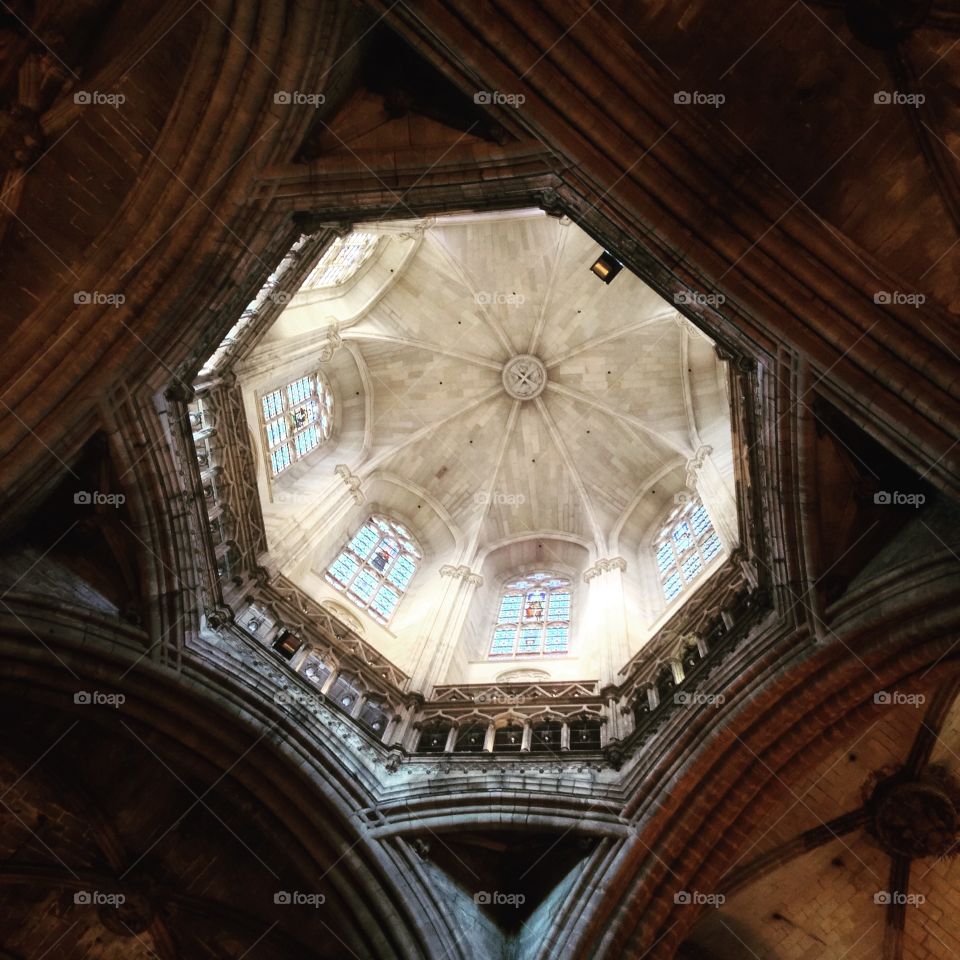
[621, 389]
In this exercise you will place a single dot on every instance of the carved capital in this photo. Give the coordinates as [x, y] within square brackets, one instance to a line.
[603, 566]
[332, 342]
[351, 481]
[695, 465]
[462, 572]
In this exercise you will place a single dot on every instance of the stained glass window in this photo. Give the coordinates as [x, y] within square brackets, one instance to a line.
[375, 568]
[297, 418]
[342, 259]
[685, 547]
[533, 618]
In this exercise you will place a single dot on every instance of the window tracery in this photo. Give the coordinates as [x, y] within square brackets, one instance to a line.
[533, 617]
[375, 568]
[686, 545]
[297, 418]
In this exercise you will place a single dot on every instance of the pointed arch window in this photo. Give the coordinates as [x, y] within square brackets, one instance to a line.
[533, 617]
[686, 545]
[297, 418]
[341, 260]
[375, 568]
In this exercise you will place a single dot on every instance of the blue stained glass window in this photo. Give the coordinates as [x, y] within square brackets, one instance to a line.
[280, 459]
[272, 404]
[298, 391]
[533, 617]
[343, 568]
[276, 432]
[402, 572]
[381, 560]
[384, 603]
[297, 418]
[364, 585]
[503, 639]
[687, 543]
[365, 540]
[307, 440]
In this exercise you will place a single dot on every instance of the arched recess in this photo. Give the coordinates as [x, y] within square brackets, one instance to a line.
[434, 531]
[545, 552]
[634, 536]
[179, 767]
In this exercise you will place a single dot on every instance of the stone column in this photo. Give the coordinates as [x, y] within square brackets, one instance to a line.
[437, 646]
[704, 477]
[608, 616]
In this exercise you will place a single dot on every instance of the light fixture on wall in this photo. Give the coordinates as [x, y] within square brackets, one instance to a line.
[607, 266]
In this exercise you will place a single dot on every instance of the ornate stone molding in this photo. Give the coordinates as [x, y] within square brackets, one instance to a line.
[351, 480]
[603, 566]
